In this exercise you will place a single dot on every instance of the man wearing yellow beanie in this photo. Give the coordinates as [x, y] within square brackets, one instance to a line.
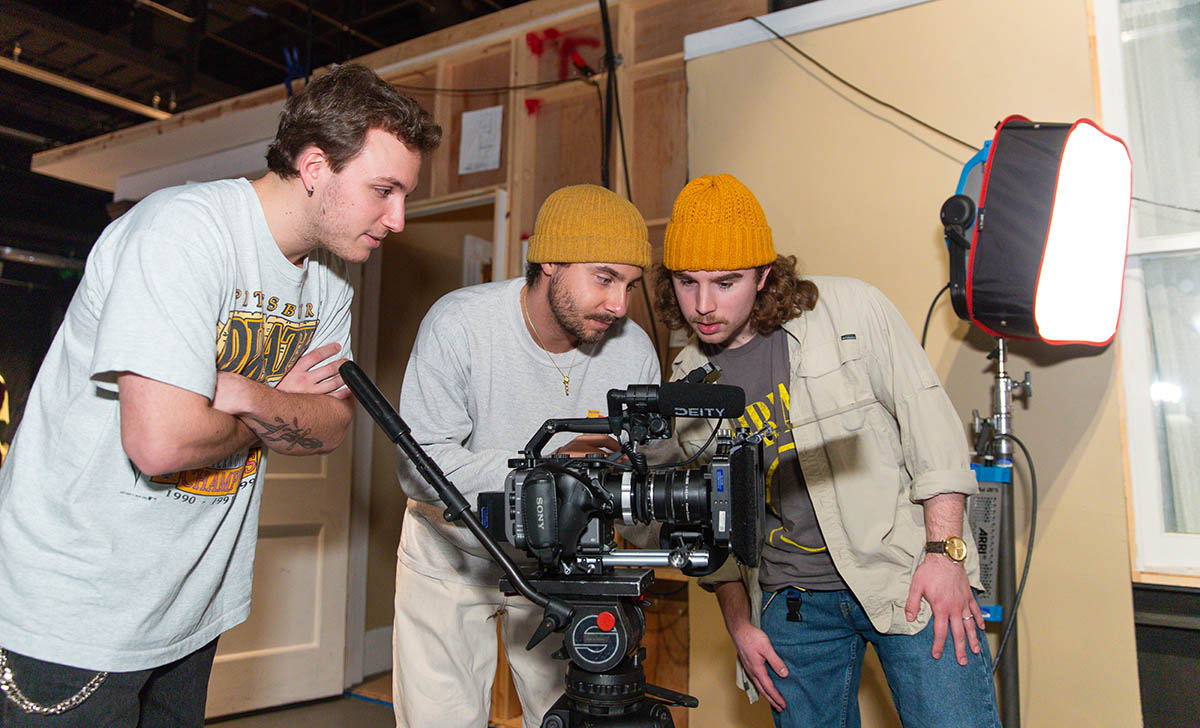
[867, 473]
[490, 364]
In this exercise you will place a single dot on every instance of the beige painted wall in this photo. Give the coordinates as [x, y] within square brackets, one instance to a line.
[853, 189]
[420, 264]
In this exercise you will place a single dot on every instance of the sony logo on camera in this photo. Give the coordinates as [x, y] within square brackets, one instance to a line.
[709, 412]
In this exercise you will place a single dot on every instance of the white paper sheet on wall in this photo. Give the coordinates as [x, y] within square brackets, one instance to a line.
[479, 147]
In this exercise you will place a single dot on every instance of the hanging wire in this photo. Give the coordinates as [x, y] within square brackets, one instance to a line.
[860, 90]
[606, 114]
[1033, 509]
[929, 314]
[912, 118]
[1166, 204]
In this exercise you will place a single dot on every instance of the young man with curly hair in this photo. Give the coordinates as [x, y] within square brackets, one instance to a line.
[867, 474]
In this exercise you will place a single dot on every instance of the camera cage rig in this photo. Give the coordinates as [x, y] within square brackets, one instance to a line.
[561, 509]
[597, 606]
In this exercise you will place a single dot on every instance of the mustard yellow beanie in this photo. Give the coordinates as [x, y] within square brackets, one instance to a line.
[717, 224]
[589, 224]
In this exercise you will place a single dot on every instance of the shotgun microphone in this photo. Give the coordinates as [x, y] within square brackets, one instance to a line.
[684, 399]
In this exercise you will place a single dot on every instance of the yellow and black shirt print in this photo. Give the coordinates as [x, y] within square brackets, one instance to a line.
[794, 552]
[262, 346]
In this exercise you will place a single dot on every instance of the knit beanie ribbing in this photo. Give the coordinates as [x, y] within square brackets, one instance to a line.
[589, 224]
[717, 224]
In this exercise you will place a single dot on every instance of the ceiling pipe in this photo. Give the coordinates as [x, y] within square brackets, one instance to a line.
[252, 54]
[31, 257]
[344, 27]
[25, 136]
[166, 11]
[37, 74]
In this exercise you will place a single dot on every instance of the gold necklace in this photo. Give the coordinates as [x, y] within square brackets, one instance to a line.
[565, 375]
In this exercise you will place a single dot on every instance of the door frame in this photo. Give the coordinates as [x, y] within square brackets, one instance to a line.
[365, 656]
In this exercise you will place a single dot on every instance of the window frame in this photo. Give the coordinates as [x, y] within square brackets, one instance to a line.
[1156, 556]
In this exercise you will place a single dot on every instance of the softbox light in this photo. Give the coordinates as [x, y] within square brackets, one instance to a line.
[1046, 255]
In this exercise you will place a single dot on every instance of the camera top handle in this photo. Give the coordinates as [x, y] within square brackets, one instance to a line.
[557, 613]
[635, 411]
[550, 428]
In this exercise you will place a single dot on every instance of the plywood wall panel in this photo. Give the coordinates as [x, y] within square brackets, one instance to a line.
[566, 148]
[660, 27]
[411, 84]
[488, 69]
[658, 145]
[583, 35]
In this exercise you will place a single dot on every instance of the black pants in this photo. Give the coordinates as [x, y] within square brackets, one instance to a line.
[170, 696]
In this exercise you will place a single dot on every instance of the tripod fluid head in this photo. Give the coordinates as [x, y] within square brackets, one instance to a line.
[606, 680]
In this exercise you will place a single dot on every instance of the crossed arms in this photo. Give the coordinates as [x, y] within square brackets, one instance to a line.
[166, 429]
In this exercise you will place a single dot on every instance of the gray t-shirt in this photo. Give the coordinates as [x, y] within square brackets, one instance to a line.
[794, 552]
[476, 389]
[102, 567]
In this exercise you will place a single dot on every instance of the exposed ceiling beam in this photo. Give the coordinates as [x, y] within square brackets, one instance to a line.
[307, 7]
[369, 17]
[34, 257]
[25, 136]
[37, 74]
[246, 51]
[170, 13]
[60, 29]
[265, 13]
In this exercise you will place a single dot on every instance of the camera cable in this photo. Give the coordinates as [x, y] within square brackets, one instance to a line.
[929, 314]
[694, 458]
[1033, 493]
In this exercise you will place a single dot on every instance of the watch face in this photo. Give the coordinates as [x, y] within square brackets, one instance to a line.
[956, 548]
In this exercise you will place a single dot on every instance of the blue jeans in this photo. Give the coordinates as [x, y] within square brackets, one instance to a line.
[824, 654]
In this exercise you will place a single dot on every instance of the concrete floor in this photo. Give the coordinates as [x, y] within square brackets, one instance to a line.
[340, 712]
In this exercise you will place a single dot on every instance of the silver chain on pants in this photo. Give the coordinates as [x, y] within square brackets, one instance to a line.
[8, 686]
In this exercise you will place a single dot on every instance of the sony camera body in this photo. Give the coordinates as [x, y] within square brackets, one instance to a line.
[563, 510]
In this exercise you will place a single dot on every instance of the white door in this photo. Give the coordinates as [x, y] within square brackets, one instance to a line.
[292, 647]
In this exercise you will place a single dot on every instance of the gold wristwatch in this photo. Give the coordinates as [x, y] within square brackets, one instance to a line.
[953, 548]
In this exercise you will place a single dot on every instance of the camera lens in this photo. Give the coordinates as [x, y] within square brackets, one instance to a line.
[678, 496]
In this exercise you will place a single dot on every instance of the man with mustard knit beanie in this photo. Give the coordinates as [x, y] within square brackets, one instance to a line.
[867, 473]
[490, 364]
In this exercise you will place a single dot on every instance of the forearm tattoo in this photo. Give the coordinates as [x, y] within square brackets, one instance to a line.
[283, 431]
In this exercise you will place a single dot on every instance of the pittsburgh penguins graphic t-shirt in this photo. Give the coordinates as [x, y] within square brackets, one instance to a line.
[101, 566]
[794, 551]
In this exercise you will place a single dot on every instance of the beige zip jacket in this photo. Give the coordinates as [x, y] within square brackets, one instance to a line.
[876, 435]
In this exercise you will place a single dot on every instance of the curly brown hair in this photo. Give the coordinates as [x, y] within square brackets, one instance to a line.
[785, 296]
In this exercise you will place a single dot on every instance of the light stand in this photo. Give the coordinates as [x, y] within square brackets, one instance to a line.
[996, 448]
[1043, 260]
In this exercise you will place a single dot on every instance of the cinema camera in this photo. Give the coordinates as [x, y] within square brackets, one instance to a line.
[563, 510]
